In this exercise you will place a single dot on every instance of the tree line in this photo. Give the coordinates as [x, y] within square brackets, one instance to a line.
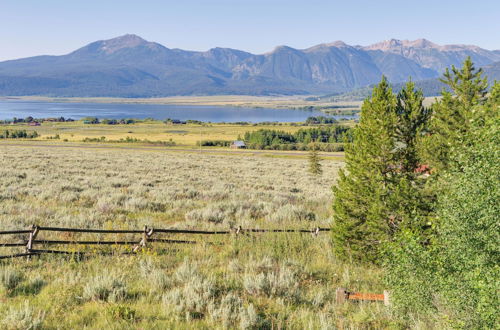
[19, 134]
[419, 196]
[31, 119]
[325, 138]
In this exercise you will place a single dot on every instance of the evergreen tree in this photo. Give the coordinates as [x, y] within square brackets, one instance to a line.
[411, 198]
[493, 103]
[412, 122]
[314, 161]
[360, 197]
[381, 191]
[455, 112]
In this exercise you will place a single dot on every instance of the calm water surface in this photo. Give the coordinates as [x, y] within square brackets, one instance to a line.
[23, 109]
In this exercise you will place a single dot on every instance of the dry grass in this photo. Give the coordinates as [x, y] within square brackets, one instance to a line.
[261, 281]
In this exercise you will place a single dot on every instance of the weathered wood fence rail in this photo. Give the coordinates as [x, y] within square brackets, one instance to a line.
[146, 237]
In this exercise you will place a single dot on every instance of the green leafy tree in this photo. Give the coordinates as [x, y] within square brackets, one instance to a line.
[469, 233]
[455, 275]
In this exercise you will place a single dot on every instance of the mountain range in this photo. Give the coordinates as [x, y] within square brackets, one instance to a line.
[129, 66]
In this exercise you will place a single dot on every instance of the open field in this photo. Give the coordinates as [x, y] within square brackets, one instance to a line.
[182, 135]
[261, 281]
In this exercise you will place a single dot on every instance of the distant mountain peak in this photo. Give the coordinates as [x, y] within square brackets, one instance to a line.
[110, 46]
[125, 41]
[338, 44]
[393, 44]
[282, 48]
[422, 43]
[335, 44]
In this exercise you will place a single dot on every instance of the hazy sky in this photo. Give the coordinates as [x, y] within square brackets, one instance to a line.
[35, 27]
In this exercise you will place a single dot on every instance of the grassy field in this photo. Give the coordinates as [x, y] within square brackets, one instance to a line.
[183, 135]
[261, 281]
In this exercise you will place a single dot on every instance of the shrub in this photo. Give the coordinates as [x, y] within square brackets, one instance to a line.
[105, 288]
[281, 283]
[193, 294]
[227, 311]
[24, 317]
[249, 318]
[159, 280]
[291, 213]
[10, 278]
[121, 312]
[192, 299]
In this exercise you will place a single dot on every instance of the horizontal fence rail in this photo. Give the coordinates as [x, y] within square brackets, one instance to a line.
[13, 232]
[55, 242]
[146, 238]
[83, 230]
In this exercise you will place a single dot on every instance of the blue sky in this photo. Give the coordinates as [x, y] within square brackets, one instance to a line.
[35, 27]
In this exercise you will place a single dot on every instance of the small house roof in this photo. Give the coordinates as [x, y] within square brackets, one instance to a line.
[239, 143]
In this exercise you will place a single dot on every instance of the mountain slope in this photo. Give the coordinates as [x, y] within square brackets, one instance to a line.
[433, 56]
[129, 66]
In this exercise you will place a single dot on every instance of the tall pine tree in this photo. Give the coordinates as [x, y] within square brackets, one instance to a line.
[411, 200]
[360, 203]
[380, 192]
[314, 161]
[454, 113]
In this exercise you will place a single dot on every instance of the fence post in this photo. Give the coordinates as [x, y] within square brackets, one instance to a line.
[237, 230]
[341, 294]
[34, 232]
[144, 239]
[315, 232]
[387, 298]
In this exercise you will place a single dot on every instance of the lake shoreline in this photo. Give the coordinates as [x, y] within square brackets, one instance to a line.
[77, 109]
[233, 101]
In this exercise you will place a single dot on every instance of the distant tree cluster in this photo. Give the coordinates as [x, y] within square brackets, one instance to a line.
[31, 119]
[320, 120]
[19, 134]
[129, 139]
[95, 120]
[214, 143]
[328, 138]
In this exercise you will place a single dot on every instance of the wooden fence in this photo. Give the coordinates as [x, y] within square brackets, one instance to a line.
[145, 238]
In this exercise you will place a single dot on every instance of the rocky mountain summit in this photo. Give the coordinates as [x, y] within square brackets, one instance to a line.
[129, 66]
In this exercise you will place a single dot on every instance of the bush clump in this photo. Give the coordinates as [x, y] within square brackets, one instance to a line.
[105, 288]
[10, 278]
[21, 318]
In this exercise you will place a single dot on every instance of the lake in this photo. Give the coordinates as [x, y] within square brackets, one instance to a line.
[216, 114]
